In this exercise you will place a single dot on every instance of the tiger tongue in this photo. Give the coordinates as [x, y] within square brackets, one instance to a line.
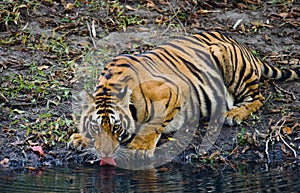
[107, 160]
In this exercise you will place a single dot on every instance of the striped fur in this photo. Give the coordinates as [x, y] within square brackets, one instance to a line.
[138, 97]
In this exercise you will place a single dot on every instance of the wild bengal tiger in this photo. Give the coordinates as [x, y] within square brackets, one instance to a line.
[138, 97]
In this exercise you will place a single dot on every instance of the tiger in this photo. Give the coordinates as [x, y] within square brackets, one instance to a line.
[138, 97]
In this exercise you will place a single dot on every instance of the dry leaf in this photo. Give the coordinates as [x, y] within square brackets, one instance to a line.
[128, 7]
[283, 15]
[163, 169]
[93, 29]
[259, 24]
[287, 130]
[171, 139]
[284, 150]
[245, 149]
[83, 1]
[44, 67]
[32, 143]
[213, 155]
[202, 11]
[150, 4]
[30, 168]
[70, 6]
[39, 150]
[4, 162]
[235, 151]
[267, 38]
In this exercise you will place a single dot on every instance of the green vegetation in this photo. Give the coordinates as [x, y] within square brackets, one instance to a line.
[36, 91]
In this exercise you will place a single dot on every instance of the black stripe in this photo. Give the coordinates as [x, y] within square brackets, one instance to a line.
[206, 40]
[192, 40]
[131, 57]
[274, 72]
[286, 73]
[206, 101]
[126, 79]
[168, 102]
[105, 110]
[181, 49]
[233, 64]
[125, 140]
[195, 71]
[247, 91]
[124, 65]
[85, 122]
[186, 79]
[166, 54]
[213, 35]
[266, 70]
[178, 74]
[241, 74]
[133, 111]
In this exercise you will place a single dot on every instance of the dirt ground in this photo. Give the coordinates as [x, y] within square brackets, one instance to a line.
[43, 44]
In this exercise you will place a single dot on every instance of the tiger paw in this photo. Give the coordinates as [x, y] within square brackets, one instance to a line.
[145, 154]
[235, 116]
[141, 151]
[78, 142]
[140, 154]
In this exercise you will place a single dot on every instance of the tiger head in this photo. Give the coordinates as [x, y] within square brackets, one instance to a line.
[106, 123]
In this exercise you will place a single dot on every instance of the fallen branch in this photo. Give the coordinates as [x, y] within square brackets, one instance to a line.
[2, 97]
[284, 91]
[277, 129]
[92, 33]
[267, 150]
[295, 153]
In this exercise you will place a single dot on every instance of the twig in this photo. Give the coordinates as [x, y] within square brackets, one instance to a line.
[168, 27]
[278, 56]
[19, 104]
[267, 150]
[269, 139]
[278, 133]
[91, 34]
[161, 34]
[4, 98]
[284, 91]
[175, 15]
[295, 153]
[280, 136]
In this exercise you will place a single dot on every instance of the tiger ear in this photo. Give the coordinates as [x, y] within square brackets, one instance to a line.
[85, 99]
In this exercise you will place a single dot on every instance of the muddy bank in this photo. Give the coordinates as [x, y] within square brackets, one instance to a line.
[47, 50]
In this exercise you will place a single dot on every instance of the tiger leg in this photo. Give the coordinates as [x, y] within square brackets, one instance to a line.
[157, 104]
[144, 142]
[79, 142]
[144, 145]
[242, 110]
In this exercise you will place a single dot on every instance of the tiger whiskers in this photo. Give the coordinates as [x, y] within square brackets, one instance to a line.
[123, 157]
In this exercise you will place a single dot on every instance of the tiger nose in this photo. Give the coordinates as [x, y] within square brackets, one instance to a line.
[106, 153]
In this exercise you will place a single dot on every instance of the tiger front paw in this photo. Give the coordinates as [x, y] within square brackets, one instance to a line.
[79, 142]
[139, 154]
[141, 151]
[235, 116]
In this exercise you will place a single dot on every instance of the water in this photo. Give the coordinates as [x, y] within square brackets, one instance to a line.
[169, 178]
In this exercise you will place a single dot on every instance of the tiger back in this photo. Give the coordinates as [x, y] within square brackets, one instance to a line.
[139, 97]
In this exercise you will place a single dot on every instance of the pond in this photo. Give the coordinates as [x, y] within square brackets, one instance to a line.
[169, 178]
